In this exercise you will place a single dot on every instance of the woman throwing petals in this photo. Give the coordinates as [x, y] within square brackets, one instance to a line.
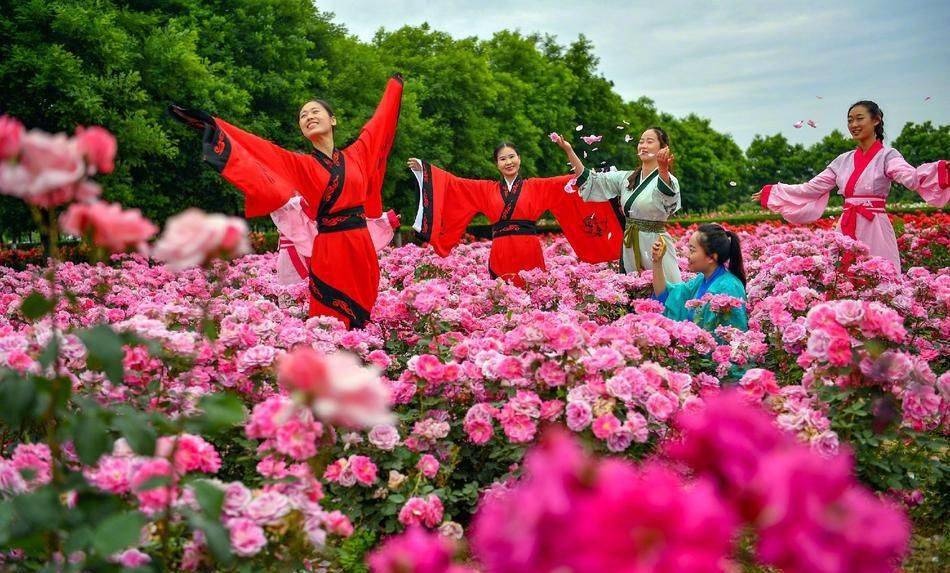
[648, 196]
[863, 177]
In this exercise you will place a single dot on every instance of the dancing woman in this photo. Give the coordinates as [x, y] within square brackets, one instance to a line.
[863, 177]
[648, 196]
[322, 199]
[513, 204]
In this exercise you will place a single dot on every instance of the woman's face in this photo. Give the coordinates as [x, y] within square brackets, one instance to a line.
[861, 123]
[698, 260]
[508, 162]
[649, 144]
[314, 120]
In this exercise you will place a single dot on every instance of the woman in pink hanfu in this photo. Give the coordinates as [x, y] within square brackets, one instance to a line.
[863, 177]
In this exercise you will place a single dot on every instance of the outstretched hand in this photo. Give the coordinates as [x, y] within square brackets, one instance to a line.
[757, 196]
[414, 164]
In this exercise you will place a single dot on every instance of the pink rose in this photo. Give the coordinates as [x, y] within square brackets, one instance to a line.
[268, 508]
[384, 436]
[154, 499]
[344, 392]
[131, 558]
[364, 469]
[236, 498]
[98, 146]
[428, 465]
[193, 237]
[579, 415]
[605, 425]
[298, 439]
[11, 133]
[659, 406]
[338, 524]
[247, 538]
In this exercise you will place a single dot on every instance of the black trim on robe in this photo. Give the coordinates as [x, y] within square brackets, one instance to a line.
[514, 227]
[339, 301]
[343, 220]
[428, 198]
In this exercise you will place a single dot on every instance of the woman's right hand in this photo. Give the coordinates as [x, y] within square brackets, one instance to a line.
[414, 164]
[561, 142]
[757, 196]
[658, 250]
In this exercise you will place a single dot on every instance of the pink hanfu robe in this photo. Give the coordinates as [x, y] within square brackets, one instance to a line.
[864, 179]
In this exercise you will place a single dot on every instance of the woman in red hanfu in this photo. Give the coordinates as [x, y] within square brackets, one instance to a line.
[320, 201]
[448, 203]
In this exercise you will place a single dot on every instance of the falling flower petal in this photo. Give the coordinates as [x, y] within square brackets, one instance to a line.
[578, 128]
[609, 235]
[619, 127]
[591, 139]
[798, 124]
[595, 149]
[585, 155]
[812, 123]
[627, 138]
[626, 122]
[732, 183]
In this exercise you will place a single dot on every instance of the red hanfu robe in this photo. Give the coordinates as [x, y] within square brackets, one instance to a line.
[448, 204]
[339, 192]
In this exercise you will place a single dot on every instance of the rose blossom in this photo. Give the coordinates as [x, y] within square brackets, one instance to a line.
[193, 237]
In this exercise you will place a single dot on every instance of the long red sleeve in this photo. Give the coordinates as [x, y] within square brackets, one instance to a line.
[375, 143]
[268, 175]
[449, 203]
[592, 229]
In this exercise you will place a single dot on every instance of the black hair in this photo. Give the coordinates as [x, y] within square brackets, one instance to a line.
[503, 145]
[725, 245]
[875, 111]
[664, 142]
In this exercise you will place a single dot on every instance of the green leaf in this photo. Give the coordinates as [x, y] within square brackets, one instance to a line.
[39, 510]
[36, 306]
[210, 498]
[50, 353]
[118, 532]
[209, 327]
[217, 537]
[136, 430]
[17, 399]
[105, 352]
[220, 412]
[91, 435]
[152, 483]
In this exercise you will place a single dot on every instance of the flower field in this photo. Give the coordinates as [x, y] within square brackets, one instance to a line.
[172, 407]
[475, 372]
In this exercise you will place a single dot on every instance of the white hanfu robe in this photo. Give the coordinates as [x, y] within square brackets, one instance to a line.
[646, 203]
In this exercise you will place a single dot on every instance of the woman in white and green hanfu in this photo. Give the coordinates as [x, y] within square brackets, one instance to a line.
[646, 198]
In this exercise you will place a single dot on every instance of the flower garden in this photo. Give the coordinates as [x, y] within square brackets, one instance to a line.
[171, 406]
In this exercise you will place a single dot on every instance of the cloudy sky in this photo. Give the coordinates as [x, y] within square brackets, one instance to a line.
[751, 67]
